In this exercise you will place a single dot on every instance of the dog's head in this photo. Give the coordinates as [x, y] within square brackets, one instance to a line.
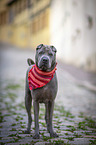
[45, 58]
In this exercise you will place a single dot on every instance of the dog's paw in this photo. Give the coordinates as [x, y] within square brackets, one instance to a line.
[53, 134]
[27, 132]
[36, 136]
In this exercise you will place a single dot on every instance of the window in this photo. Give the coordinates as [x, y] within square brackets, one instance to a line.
[35, 26]
[40, 22]
[3, 18]
[30, 3]
[11, 15]
[19, 6]
[24, 4]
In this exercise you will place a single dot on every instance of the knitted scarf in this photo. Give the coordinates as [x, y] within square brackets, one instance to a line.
[38, 78]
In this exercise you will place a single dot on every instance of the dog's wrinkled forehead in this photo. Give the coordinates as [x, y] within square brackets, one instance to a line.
[46, 47]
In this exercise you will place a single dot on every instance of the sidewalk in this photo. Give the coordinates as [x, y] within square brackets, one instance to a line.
[79, 73]
[75, 108]
[81, 77]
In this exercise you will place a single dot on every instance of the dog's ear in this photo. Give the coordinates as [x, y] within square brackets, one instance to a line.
[39, 46]
[30, 61]
[53, 49]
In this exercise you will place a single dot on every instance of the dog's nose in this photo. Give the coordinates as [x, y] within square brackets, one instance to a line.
[45, 59]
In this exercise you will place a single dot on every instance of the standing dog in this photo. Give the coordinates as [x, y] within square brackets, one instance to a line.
[41, 87]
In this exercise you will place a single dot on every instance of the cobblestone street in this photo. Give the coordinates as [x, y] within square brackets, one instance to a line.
[75, 106]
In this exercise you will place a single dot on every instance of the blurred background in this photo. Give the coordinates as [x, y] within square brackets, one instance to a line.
[69, 25]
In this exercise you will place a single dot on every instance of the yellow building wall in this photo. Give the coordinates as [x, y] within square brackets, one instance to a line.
[42, 35]
[41, 38]
[2, 5]
[3, 32]
[10, 34]
[20, 36]
[15, 35]
[20, 29]
[20, 32]
[6, 34]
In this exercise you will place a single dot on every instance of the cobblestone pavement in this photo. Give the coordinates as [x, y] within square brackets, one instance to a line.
[75, 107]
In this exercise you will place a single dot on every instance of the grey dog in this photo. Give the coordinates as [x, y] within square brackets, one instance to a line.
[45, 60]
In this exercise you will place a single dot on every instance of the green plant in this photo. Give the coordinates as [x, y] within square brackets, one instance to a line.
[81, 115]
[81, 125]
[13, 129]
[66, 133]
[13, 86]
[70, 138]
[93, 142]
[14, 124]
[58, 142]
[72, 128]
[77, 135]
[90, 122]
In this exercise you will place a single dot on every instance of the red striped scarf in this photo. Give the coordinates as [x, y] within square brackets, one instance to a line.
[38, 78]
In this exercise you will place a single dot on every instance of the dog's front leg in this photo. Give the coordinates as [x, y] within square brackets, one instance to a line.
[36, 118]
[47, 116]
[50, 109]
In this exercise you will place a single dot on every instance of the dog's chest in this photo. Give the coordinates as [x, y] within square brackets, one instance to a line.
[43, 95]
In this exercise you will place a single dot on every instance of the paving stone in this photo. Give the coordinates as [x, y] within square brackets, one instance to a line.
[80, 141]
[64, 128]
[41, 143]
[92, 133]
[69, 132]
[47, 134]
[17, 143]
[25, 135]
[10, 139]
[90, 136]
[26, 139]
[6, 140]
[70, 96]
[79, 131]
[7, 133]
[56, 139]
[69, 124]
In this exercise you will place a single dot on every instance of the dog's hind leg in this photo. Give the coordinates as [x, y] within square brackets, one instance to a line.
[36, 117]
[28, 105]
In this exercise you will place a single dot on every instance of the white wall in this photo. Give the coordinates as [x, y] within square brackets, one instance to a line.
[73, 31]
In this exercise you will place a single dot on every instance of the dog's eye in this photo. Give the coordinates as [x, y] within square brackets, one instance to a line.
[41, 52]
[50, 54]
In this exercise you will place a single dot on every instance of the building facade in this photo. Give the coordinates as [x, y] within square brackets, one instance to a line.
[73, 31]
[69, 25]
[25, 23]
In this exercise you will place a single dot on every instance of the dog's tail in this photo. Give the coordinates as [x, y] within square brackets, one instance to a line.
[30, 61]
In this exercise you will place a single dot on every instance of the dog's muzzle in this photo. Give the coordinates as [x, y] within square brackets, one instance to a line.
[44, 63]
[45, 60]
